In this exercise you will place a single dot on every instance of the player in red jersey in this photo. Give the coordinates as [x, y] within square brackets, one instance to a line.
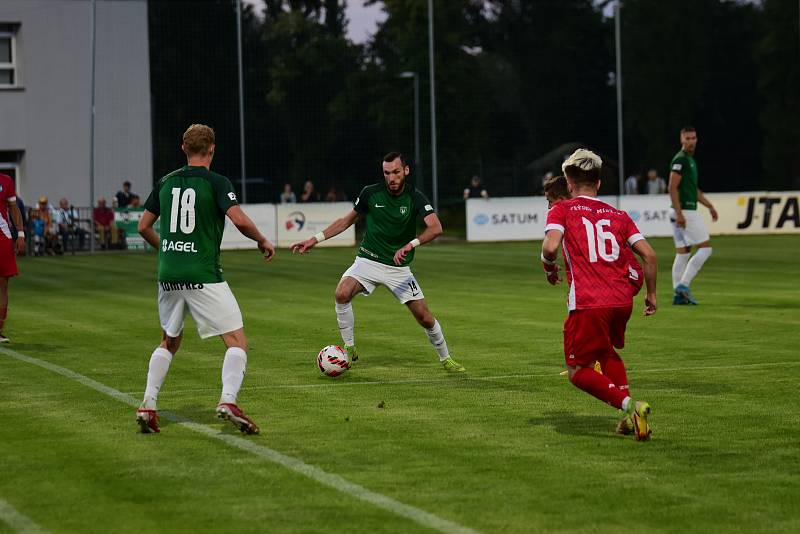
[556, 190]
[8, 253]
[594, 236]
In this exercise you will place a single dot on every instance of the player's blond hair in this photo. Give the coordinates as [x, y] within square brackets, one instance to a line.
[198, 139]
[583, 166]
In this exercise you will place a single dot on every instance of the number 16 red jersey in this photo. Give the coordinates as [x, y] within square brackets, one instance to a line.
[596, 236]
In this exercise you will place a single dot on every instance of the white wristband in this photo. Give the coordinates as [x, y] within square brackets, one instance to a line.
[20, 234]
[548, 262]
[414, 243]
[320, 237]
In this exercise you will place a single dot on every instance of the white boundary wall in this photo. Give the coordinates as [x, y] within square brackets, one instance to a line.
[284, 224]
[523, 218]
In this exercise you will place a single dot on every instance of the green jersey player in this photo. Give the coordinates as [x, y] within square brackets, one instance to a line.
[687, 226]
[192, 203]
[386, 251]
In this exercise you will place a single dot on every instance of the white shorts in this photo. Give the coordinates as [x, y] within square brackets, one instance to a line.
[399, 280]
[695, 231]
[213, 307]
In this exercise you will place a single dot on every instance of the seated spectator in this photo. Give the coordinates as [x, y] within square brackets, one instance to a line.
[104, 224]
[656, 185]
[124, 197]
[309, 194]
[44, 237]
[136, 202]
[334, 195]
[475, 189]
[65, 221]
[288, 196]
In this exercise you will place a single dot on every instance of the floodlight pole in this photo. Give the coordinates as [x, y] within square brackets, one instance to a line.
[417, 158]
[241, 99]
[91, 128]
[435, 172]
[618, 80]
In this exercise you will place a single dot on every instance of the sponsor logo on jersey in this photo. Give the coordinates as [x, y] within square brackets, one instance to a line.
[403, 210]
[428, 207]
[232, 196]
[295, 221]
[380, 206]
[677, 167]
[167, 245]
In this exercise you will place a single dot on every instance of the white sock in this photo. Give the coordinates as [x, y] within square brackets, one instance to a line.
[233, 369]
[678, 267]
[625, 403]
[346, 319]
[156, 373]
[695, 263]
[436, 337]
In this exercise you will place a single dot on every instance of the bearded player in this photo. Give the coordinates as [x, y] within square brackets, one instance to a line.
[193, 203]
[600, 299]
[386, 252]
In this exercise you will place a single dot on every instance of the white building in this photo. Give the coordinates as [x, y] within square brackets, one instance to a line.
[46, 90]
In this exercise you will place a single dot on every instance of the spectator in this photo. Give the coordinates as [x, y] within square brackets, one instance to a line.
[656, 185]
[45, 238]
[135, 203]
[65, 221]
[334, 195]
[104, 223]
[545, 179]
[124, 196]
[288, 196]
[309, 194]
[475, 189]
[632, 185]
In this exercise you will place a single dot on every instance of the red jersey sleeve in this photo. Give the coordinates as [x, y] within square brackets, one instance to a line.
[632, 233]
[556, 218]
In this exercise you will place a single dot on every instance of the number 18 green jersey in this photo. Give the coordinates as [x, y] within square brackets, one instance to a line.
[191, 203]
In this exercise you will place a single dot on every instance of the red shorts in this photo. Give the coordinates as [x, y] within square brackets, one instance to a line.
[589, 334]
[8, 258]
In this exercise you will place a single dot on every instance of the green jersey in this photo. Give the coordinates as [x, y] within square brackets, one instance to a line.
[391, 221]
[685, 165]
[192, 203]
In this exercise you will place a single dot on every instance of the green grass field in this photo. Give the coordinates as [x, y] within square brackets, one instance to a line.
[510, 447]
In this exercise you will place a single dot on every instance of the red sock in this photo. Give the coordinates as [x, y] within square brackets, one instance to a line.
[599, 386]
[614, 369]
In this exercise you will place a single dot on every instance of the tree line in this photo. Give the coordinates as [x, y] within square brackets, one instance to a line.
[515, 81]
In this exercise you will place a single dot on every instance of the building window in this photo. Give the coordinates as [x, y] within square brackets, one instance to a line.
[10, 161]
[8, 55]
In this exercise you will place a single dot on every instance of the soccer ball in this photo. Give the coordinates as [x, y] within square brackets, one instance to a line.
[333, 360]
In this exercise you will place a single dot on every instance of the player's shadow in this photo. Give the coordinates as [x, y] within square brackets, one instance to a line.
[576, 425]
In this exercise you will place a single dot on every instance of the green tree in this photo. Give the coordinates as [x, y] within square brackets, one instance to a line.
[691, 62]
[778, 55]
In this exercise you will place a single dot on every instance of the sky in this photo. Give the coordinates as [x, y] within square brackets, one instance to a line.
[362, 20]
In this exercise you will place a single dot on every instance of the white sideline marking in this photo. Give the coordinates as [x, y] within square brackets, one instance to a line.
[454, 379]
[15, 520]
[336, 482]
